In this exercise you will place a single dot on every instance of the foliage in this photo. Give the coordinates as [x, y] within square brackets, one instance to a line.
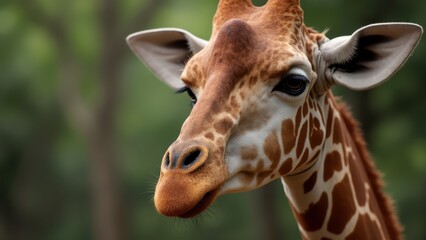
[45, 189]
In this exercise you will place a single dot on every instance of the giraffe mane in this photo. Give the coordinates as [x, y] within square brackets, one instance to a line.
[386, 203]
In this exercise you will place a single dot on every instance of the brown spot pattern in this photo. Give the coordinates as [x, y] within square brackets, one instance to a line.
[304, 158]
[365, 229]
[234, 103]
[305, 109]
[246, 177]
[288, 135]
[374, 206]
[313, 218]
[316, 134]
[271, 147]
[337, 133]
[342, 199]
[310, 104]
[286, 167]
[298, 118]
[329, 123]
[261, 176]
[332, 163]
[301, 140]
[224, 125]
[249, 153]
[357, 178]
[209, 135]
[315, 157]
[309, 184]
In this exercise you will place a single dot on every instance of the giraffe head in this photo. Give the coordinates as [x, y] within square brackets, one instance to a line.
[259, 86]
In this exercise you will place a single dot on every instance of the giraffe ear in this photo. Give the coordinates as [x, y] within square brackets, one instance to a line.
[165, 51]
[371, 55]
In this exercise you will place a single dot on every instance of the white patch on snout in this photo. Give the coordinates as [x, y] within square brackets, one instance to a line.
[279, 111]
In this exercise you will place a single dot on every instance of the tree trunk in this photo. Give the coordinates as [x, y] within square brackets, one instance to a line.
[266, 213]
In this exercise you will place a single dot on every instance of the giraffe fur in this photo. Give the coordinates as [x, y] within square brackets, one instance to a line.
[265, 110]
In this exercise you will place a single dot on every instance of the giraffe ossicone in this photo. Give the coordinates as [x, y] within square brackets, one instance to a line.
[264, 110]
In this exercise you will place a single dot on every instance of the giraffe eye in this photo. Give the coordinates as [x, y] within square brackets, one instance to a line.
[190, 94]
[292, 84]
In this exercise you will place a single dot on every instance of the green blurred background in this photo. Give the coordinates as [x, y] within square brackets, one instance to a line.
[84, 125]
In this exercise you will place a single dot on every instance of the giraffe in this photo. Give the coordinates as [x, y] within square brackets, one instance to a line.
[263, 109]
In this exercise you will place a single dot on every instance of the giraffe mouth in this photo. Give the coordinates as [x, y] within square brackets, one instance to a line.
[202, 205]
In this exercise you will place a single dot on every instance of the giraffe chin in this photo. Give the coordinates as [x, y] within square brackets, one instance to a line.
[177, 200]
[202, 205]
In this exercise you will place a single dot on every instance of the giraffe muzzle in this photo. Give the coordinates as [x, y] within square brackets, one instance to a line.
[185, 187]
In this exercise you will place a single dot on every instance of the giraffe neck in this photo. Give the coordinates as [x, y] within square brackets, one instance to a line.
[340, 196]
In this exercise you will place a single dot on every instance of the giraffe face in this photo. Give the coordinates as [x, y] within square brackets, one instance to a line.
[250, 122]
[260, 92]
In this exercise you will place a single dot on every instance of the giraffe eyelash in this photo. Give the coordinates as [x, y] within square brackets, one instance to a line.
[190, 93]
[182, 90]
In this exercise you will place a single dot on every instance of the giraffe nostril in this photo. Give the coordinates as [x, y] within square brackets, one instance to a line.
[167, 161]
[187, 156]
[191, 158]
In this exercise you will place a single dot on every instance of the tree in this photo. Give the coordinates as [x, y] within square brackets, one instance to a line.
[96, 121]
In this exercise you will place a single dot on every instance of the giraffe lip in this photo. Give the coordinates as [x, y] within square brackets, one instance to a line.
[202, 205]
